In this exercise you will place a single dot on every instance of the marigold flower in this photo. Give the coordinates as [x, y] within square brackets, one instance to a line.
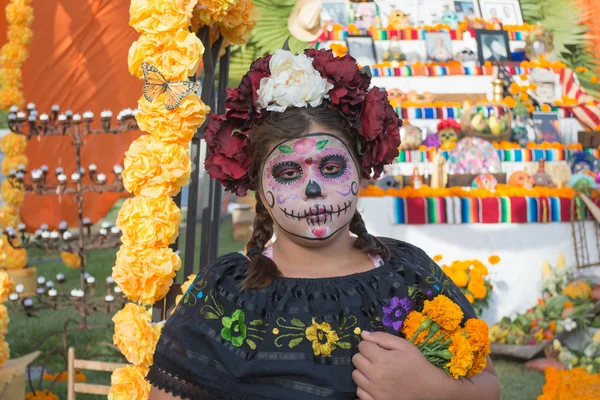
[154, 168]
[594, 79]
[19, 34]
[411, 325]
[444, 312]
[7, 286]
[9, 216]
[438, 258]
[135, 335]
[494, 260]
[462, 356]
[41, 395]
[71, 260]
[14, 258]
[479, 363]
[239, 22]
[460, 278]
[129, 383]
[13, 163]
[208, 12]
[11, 96]
[545, 107]
[470, 298]
[578, 290]
[150, 222]
[478, 333]
[19, 13]
[13, 55]
[12, 195]
[156, 16]
[145, 274]
[4, 320]
[4, 350]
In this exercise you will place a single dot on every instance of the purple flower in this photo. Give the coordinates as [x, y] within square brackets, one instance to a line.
[396, 312]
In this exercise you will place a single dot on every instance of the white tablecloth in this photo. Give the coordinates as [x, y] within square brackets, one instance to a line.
[522, 248]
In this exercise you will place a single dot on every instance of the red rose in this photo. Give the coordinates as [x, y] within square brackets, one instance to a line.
[378, 132]
[241, 101]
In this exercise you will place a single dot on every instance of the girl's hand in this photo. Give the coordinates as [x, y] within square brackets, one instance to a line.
[391, 368]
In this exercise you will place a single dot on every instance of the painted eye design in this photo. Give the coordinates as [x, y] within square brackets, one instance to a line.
[333, 166]
[286, 173]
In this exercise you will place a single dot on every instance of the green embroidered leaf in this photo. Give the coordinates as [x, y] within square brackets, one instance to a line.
[344, 345]
[257, 322]
[447, 283]
[285, 149]
[251, 344]
[411, 290]
[226, 334]
[298, 323]
[321, 144]
[295, 342]
[378, 318]
[210, 315]
[227, 322]
[220, 307]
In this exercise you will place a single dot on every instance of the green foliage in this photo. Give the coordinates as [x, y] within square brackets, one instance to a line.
[3, 119]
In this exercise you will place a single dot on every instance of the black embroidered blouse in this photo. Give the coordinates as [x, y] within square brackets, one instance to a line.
[294, 339]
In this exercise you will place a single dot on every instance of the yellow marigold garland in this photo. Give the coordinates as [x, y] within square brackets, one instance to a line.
[19, 16]
[6, 288]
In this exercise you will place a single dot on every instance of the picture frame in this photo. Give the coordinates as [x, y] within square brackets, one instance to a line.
[439, 46]
[493, 46]
[469, 9]
[386, 10]
[362, 48]
[508, 12]
[546, 126]
[335, 12]
[366, 15]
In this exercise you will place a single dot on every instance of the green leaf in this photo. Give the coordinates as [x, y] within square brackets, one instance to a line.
[367, 71]
[321, 144]
[210, 315]
[285, 149]
[257, 322]
[227, 322]
[359, 147]
[286, 44]
[344, 345]
[251, 344]
[295, 342]
[297, 322]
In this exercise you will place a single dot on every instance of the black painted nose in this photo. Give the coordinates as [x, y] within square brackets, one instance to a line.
[313, 189]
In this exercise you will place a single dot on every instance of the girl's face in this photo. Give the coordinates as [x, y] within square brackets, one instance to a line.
[310, 186]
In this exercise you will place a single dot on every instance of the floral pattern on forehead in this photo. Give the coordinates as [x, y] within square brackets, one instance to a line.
[314, 79]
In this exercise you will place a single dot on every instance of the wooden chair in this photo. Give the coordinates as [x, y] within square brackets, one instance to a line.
[88, 365]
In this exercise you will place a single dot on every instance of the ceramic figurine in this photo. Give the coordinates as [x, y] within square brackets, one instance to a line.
[411, 137]
[398, 20]
[521, 179]
[448, 130]
[450, 18]
[485, 181]
[432, 140]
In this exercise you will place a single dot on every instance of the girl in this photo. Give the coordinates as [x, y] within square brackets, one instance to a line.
[318, 314]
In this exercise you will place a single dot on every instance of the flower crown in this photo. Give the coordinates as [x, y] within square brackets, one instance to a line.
[282, 80]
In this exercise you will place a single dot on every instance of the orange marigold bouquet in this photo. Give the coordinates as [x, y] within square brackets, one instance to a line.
[461, 351]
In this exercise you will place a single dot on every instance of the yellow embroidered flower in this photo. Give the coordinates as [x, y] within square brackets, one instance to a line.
[41, 395]
[13, 144]
[13, 195]
[145, 274]
[4, 350]
[357, 331]
[275, 331]
[13, 163]
[208, 12]
[71, 260]
[239, 22]
[184, 288]
[478, 334]
[578, 290]
[19, 12]
[4, 320]
[13, 55]
[323, 338]
[149, 222]
[411, 325]
[7, 286]
[129, 383]
[154, 168]
[135, 335]
[462, 356]
[444, 312]
[14, 258]
[177, 55]
[172, 126]
[479, 363]
[155, 16]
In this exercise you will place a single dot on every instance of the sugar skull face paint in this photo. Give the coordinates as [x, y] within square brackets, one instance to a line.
[311, 186]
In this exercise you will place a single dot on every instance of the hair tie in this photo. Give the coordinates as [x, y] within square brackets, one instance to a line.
[253, 251]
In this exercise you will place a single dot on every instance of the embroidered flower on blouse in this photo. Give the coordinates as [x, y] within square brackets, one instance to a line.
[395, 313]
[234, 328]
[323, 338]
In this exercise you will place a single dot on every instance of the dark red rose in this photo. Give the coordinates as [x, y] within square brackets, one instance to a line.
[378, 132]
[241, 101]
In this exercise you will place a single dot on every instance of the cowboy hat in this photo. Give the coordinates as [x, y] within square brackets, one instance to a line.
[304, 22]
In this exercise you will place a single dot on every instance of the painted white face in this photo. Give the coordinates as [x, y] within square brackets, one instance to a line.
[311, 186]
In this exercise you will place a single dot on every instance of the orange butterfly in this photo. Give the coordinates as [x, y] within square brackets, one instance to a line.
[156, 84]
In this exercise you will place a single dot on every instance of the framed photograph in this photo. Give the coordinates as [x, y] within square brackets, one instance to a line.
[335, 12]
[467, 9]
[439, 46]
[508, 12]
[492, 46]
[362, 48]
[398, 13]
[546, 126]
[365, 15]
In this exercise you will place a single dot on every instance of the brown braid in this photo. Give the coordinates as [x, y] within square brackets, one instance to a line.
[365, 241]
[262, 270]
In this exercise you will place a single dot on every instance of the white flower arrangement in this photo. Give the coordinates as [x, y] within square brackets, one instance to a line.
[293, 82]
[555, 278]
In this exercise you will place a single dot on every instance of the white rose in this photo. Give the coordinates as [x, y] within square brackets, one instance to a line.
[293, 82]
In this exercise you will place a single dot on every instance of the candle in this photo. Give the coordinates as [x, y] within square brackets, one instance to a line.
[136, 112]
[55, 107]
[19, 288]
[38, 233]
[41, 280]
[44, 117]
[21, 115]
[60, 278]
[44, 168]
[106, 114]
[12, 172]
[117, 289]
[91, 280]
[40, 291]
[101, 177]
[109, 298]
[86, 275]
[117, 169]
[82, 170]
[92, 167]
[62, 225]
[103, 231]
[12, 117]
[45, 235]
[69, 113]
[14, 109]
[59, 170]
[21, 167]
[86, 221]
[77, 293]
[54, 235]
[32, 117]
[109, 280]
[76, 117]
[75, 176]
[62, 118]
[67, 235]
[106, 224]
[62, 178]
[31, 106]
[88, 115]
[21, 226]
[52, 293]
[49, 284]
[27, 303]
[13, 297]
[20, 175]
[114, 230]
[36, 174]
[44, 227]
